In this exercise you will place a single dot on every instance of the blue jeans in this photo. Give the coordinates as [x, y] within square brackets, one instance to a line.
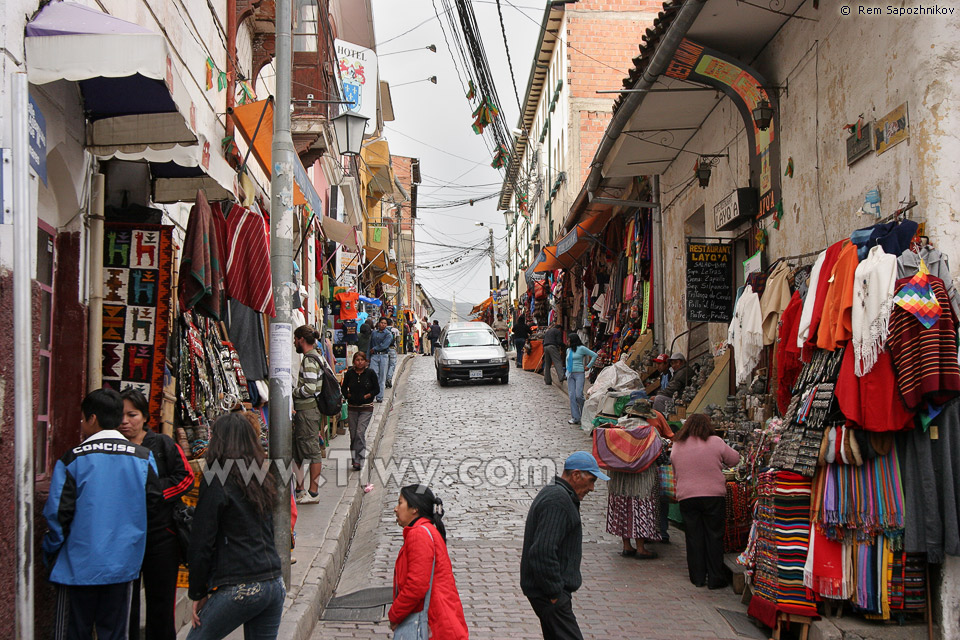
[380, 362]
[518, 343]
[393, 364]
[575, 391]
[255, 605]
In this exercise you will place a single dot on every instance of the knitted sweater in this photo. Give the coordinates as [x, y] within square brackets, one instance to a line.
[552, 540]
[698, 465]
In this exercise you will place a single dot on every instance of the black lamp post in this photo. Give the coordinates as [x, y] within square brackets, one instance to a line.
[703, 173]
[762, 115]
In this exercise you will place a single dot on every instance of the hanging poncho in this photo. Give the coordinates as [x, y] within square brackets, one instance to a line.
[873, 288]
[746, 334]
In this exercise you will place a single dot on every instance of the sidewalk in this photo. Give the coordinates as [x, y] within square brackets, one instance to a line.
[323, 531]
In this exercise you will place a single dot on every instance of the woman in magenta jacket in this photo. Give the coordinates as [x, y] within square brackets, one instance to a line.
[698, 458]
[418, 604]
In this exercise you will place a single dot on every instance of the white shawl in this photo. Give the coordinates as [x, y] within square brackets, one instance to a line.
[873, 288]
[746, 334]
[806, 314]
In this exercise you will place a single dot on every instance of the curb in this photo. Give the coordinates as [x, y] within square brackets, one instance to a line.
[324, 572]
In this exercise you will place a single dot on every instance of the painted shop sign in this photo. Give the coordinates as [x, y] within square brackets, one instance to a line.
[740, 205]
[859, 147]
[695, 63]
[358, 71]
[892, 129]
[709, 296]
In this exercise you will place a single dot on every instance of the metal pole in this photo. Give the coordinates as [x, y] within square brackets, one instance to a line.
[659, 317]
[95, 309]
[281, 269]
[493, 273]
[24, 220]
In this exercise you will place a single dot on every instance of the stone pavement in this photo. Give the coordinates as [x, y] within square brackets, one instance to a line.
[480, 447]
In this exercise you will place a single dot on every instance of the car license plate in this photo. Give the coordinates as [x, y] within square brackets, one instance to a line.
[476, 373]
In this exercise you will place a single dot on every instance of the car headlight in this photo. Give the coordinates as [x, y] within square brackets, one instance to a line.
[450, 361]
[498, 360]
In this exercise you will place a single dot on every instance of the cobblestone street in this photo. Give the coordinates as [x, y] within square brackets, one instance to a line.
[447, 431]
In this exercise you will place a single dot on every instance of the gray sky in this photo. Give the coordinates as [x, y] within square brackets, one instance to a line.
[433, 123]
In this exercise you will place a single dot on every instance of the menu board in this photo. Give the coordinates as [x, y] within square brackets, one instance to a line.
[709, 282]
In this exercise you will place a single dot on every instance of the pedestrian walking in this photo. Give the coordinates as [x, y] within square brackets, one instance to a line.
[235, 576]
[96, 512]
[553, 352]
[500, 328]
[699, 457]
[306, 417]
[520, 334]
[363, 335]
[576, 375]
[426, 603]
[161, 559]
[552, 546]
[633, 499]
[434, 336]
[379, 354]
[360, 386]
[392, 353]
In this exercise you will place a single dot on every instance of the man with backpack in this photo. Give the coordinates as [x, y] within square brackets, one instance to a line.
[306, 418]
[379, 354]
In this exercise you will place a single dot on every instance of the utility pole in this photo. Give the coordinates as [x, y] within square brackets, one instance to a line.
[281, 269]
[493, 272]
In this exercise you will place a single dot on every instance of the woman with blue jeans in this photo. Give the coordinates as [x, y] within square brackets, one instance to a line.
[234, 566]
[576, 374]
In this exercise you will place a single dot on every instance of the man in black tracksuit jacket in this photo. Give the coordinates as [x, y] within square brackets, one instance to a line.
[552, 547]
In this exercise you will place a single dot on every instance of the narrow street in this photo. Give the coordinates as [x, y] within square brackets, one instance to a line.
[467, 442]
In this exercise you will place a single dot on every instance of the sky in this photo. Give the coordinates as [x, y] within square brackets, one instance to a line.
[433, 123]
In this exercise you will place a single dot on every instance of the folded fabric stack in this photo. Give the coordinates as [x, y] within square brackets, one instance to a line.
[783, 536]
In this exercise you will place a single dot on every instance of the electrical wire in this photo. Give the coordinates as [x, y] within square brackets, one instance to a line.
[506, 48]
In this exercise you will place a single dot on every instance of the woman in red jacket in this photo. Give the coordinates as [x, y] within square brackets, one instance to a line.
[424, 591]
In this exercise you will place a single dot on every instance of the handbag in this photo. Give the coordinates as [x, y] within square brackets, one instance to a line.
[668, 483]
[182, 524]
[416, 625]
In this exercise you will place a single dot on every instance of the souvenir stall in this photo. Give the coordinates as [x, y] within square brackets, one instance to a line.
[855, 486]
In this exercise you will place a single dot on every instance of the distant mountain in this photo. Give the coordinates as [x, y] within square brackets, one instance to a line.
[442, 310]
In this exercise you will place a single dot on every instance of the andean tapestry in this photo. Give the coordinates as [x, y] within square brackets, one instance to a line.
[137, 280]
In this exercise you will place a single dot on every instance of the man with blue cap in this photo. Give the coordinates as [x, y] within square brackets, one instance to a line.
[552, 546]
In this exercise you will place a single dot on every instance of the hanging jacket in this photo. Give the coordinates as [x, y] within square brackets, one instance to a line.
[100, 493]
[411, 581]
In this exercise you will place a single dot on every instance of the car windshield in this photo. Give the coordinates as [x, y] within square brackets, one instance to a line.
[470, 339]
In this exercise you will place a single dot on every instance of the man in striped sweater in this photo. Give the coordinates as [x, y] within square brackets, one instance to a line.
[552, 546]
[306, 418]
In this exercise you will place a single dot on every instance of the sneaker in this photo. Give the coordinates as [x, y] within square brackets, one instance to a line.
[299, 493]
[572, 421]
[308, 498]
[379, 399]
[388, 384]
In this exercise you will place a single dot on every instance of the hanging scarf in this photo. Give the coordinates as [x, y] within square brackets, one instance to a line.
[873, 289]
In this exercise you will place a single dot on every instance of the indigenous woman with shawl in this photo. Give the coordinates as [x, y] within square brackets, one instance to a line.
[630, 451]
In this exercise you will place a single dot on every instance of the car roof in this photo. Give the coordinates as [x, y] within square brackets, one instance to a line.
[460, 326]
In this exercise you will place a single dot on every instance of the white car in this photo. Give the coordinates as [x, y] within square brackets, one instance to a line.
[470, 351]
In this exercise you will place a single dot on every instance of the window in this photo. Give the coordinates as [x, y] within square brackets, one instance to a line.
[46, 236]
[471, 339]
[306, 27]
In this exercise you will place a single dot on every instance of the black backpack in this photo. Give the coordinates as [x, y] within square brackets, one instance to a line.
[330, 399]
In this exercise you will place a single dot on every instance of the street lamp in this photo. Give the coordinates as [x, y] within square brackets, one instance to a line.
[432, 79]
[763, 114]
[348, 127]
[430, 47]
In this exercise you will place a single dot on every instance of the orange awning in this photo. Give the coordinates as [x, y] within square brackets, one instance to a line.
[483, 305]
[246, 117]
[568, 250]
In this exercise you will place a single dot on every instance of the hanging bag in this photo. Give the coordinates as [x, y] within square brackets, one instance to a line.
[416, 625]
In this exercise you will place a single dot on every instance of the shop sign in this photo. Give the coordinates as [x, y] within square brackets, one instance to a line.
[746, 88]
[739, 205]
[892, 129]
[859, 147]
[709, 296]
[567, 242]
[37, 140]
[358, 71]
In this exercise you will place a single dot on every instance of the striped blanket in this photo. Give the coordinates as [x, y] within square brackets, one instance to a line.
[627, 449]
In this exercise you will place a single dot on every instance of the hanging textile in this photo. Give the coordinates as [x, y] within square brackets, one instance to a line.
[873, 290]
[776, 297]
[819, 298]
[745, 334]
[835, 321]
[871, 401]
[788, 353]
[137, 283]
[248, 260]
[201, 284]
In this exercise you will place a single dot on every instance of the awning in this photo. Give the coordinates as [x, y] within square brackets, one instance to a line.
[483, 305]
[389, 279]
[247, 117]
[137, 106]
[572, 246]
[339, 232]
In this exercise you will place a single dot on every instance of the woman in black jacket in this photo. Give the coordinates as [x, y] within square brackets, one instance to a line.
[161, 560]
[520, 334]
[360, 386]
[235, 574]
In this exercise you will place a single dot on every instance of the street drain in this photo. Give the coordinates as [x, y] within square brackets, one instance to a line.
[742, 624]
[366, 605]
